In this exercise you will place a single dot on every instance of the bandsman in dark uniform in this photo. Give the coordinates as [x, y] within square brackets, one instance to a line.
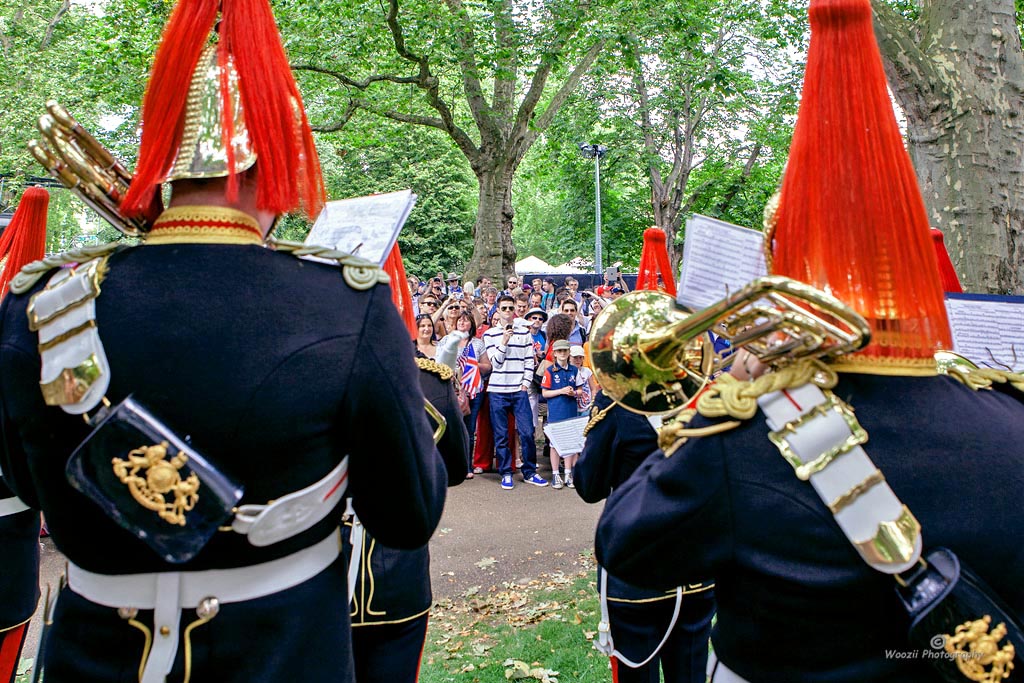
[234, 394]
[833, 535]
[22, 241]
[666, 630]
[391, 594]
[658, 629]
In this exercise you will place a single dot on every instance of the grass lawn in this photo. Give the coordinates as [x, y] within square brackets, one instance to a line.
[534, 630]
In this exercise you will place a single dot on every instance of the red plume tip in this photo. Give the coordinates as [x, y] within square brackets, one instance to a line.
[24, 239]
[654, 261]
[654, 236]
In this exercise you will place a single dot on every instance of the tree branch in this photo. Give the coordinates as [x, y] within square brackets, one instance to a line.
[5, 40]
[351, 82]
[736, 185]
[507, 65]
[340, 122]
[478, 106]
[61, 11]
[528, 106]
[646, 128]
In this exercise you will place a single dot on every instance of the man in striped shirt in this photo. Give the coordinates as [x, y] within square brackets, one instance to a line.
[510, 348]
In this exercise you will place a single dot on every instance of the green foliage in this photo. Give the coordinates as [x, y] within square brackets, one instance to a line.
[721, 82]
[93, 57]
[365, 159]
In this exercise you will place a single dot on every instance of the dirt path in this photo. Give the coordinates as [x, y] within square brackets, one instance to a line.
[526, 531]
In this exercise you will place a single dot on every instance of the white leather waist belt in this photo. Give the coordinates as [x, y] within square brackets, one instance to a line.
[11, 506]
[167, 593]
[289, 515]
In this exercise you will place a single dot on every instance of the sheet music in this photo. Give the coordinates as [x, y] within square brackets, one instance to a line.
[718, 258]
[566, 436]
[363, 226]
[988, 329]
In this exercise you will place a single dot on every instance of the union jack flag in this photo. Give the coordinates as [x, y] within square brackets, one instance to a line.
[469, 365]
[583, 398]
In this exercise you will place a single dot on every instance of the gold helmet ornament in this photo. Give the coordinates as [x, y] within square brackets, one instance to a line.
[221, 96]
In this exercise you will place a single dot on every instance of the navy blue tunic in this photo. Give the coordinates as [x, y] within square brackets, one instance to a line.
[795, 601]
[277, 369]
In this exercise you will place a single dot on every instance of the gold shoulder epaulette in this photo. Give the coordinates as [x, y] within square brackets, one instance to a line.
[596, 415]
[984, 378]
[439, 369]
[30, 273]
[731, 397]
[359, 273]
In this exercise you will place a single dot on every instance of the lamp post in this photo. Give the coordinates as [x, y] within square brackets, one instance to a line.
[595, 152]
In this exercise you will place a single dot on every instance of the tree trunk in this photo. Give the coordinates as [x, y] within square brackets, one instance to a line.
[668, 217]
[494, 255]
[961, 84]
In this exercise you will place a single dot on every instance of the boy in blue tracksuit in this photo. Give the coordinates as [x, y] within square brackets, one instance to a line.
[560, 387]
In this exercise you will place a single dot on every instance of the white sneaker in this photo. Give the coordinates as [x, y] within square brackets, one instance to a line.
[568, 481]
[556, 482]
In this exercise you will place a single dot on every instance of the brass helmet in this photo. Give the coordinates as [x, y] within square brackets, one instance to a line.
[204, 145]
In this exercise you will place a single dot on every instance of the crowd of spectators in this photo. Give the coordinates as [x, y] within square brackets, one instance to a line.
[519, 353]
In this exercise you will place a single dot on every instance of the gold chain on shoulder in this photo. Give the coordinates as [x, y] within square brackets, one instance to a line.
[596, 415]
[674, 432]
[359, 273]
[984, 378]
[439, 369]
[736, 398]
[31, 273]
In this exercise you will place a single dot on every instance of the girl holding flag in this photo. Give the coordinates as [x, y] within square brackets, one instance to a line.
[474, 365]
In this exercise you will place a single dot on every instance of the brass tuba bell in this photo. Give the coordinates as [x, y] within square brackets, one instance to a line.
[652, 355]
[642, 356]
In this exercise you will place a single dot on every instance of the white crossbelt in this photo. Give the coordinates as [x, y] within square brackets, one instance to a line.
[821, 438]
[357, 538]
[167, 593]
[11, 506]
[604, 642]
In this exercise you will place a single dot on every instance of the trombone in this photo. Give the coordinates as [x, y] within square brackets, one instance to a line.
[74, 157]
[653, 356]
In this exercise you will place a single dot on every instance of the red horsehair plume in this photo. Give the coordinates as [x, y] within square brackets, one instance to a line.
[851, 219]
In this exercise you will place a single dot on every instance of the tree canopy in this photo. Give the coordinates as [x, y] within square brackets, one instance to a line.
[480, 105]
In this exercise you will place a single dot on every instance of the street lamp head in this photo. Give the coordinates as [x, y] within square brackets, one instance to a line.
[590, 151]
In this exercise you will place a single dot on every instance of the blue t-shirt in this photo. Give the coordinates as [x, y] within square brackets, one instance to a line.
[561, 407]
[540, 343]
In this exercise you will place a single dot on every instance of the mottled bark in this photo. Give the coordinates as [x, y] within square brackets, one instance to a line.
[958, 72]
[494, 255]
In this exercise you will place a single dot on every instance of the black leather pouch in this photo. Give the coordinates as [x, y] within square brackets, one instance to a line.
[959, 624]
[152, 483]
